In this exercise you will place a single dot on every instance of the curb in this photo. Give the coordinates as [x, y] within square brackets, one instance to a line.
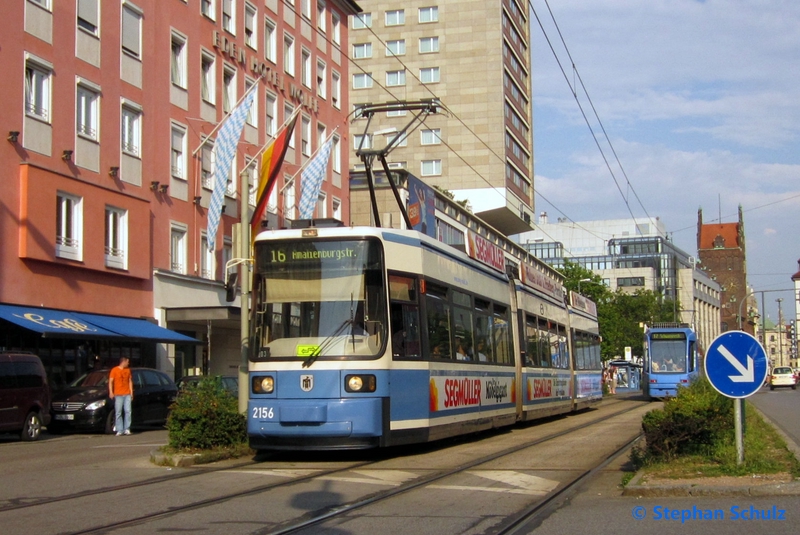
[160, 458]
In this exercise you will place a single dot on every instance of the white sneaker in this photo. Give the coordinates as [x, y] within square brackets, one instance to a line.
[127, 432]
[119, 434]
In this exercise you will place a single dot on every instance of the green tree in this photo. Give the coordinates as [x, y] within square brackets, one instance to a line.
[619, 313]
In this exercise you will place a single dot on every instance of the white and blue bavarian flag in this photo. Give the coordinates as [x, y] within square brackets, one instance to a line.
[311, 179]
[223, 154]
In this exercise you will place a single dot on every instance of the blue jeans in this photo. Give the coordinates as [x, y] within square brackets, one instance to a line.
[122, 404]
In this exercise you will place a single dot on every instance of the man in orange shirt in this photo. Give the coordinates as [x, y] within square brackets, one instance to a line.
[120, 389]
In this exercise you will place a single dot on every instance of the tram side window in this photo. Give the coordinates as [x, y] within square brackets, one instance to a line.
[484, 348]
[692, 355]
[563, 349]
[438, 316]
[579, 350]
[544, 345]
[462, 326]
[404, 317]
[502, 336]
[532, 342]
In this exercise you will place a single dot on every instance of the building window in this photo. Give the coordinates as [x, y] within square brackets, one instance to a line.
[322, 75]
[428, 45]
[431, 167]
[289, 200]
[362, 50]
[362, 80]
[69, 226]
[305, 136]
[87, 112]
[288, 54]
[251, 164]
[131, 135]
[177, 248]
[336, 155]
[270, 41]
[37, 91]
[362, 141]
[44, 4]
[305, 66]
[206, 165]
[630, 281]
[429, 75]
[272, 112]
[252, 113]
[227, 253]
[336, 89]
[396, 113]
[336, 24]
[322, 208]
[208, 78]
[116, 237]
[305, 8]
[321, 22]
[429, 14]
[395, 17]
[396, 47]
[228, 89]
[394, 78]
[207, 267]
[131, 31]
[362, 20]
[336, 208]
[431, 136]
[288, 111]
[207, 8]
[178, 151]
[250, 35]
[178, 61]
[87, 16]
[229, 16]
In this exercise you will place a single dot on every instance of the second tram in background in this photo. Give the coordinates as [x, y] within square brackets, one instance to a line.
[670, 359]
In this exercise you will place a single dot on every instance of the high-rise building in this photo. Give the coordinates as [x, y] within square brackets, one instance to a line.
[109, 116]
[474, 56]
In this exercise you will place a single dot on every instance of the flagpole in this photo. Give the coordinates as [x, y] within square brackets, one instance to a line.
[219, 124]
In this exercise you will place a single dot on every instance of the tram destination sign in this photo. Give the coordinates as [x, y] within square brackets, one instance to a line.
[736, 364]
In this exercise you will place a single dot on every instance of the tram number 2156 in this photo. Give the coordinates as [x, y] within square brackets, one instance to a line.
[263, 413]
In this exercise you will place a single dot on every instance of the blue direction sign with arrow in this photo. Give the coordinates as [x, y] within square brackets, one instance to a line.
[736, 364]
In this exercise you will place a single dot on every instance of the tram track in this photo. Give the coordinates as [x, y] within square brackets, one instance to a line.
[340, 510]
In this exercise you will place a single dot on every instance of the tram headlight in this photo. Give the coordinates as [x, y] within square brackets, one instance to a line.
[263, 384]
[359, 383]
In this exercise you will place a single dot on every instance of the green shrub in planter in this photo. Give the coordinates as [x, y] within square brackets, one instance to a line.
[693, 422]
[206, 416]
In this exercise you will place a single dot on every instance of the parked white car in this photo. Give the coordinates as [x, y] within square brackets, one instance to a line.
[782, 376]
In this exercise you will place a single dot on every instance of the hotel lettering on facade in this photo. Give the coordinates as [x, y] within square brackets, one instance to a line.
[105, 178]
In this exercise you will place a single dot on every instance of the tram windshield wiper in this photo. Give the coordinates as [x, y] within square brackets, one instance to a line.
[326, 343]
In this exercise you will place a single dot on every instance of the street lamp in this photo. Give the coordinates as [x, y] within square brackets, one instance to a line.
[579, 284]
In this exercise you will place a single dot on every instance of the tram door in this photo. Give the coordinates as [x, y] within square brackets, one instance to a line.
[404, 317]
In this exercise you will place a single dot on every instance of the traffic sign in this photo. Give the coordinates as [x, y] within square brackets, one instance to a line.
[736, 364]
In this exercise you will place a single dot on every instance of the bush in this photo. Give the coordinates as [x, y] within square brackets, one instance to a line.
[206, 416]
[694, 422]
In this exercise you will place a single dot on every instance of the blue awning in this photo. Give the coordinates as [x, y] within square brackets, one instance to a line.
[53, 323]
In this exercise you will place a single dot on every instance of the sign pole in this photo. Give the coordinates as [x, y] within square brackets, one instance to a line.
[736, 366]
[737, 425]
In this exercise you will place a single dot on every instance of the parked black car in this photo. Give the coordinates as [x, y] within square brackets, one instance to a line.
[24, 395]
[85, 405]
[229, 382]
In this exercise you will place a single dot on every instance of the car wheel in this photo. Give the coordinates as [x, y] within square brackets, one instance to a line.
[32, 428]
[794, 387]
[111, 423]
[771, 387]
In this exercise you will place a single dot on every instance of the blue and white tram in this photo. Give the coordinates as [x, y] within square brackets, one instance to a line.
[670, 359]
[368, 337]
[587, 362]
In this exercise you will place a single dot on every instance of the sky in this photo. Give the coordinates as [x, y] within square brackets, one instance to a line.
[701, 103]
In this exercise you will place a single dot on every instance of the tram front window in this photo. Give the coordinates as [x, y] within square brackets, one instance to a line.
[319, 299]
[667, 356]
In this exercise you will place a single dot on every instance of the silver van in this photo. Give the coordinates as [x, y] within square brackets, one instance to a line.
[24, 395]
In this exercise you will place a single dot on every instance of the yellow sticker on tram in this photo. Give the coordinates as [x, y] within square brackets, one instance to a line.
[307, 350]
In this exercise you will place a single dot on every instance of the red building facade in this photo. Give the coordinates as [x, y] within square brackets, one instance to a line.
[106, 171]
